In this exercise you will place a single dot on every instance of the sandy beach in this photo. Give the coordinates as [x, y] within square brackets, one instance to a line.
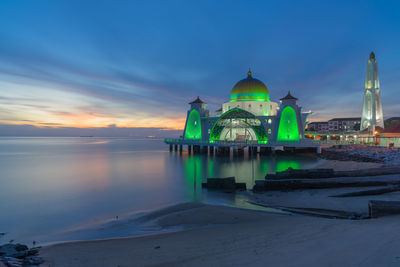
[208, 235]
[224, 236]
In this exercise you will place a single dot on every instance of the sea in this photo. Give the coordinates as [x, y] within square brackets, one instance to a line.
[51, 185]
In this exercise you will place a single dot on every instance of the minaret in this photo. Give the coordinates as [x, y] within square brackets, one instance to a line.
[372, 107]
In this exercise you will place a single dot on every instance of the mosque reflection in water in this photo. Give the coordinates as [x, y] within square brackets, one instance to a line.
[198, 167]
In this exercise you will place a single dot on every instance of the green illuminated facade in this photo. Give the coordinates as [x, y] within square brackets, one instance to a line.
[288, 129]
[193, 126]
[248, 116]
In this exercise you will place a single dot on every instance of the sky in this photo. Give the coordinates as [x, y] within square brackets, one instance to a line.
[130, 68]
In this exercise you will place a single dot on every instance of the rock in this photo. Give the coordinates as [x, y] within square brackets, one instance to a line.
[33, 252]
[379, 208]
[19, 254]
[304, 173]
[20, 247]
[7, 249]
[241, 186]
[221, 183]
[13, 262]
[259, 185]
[297, 184]
[34, 260]
[226, 184]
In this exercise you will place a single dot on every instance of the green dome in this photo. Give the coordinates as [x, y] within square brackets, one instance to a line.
[250, 89]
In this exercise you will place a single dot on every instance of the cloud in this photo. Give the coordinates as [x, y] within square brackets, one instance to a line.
[49, 130]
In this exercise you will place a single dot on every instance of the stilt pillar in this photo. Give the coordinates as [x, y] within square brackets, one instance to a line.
[196, 149]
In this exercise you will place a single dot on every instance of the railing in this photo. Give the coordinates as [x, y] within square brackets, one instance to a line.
[302, 142]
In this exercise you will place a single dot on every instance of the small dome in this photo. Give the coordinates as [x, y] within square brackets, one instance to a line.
[250, 89]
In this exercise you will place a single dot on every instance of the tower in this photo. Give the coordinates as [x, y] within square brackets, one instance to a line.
[193, 127]
[290, 126]
[372, 107]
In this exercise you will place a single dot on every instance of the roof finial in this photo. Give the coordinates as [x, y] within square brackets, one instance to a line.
[372, 55]
[249, 74]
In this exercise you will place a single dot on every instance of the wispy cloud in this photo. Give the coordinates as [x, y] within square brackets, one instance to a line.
[64, 64]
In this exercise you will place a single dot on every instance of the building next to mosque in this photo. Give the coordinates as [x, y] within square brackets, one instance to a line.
[249, 116]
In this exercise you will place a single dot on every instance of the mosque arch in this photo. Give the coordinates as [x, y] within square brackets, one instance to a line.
[288, 127]
[241, 119]
[193, 126]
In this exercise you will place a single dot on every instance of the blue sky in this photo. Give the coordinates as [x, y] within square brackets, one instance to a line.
[136, 64]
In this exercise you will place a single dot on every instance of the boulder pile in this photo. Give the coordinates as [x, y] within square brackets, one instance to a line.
[19, 255]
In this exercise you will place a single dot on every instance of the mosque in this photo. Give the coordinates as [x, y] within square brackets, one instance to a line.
[248, 117]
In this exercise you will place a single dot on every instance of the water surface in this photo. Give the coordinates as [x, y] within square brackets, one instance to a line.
[48, 185]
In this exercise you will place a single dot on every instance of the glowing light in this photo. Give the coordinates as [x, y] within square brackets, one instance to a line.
[288, 129]
[286, 164]
[193, 126]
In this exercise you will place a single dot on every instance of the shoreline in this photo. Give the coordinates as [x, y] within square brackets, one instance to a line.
[234, 237]
[198, 234]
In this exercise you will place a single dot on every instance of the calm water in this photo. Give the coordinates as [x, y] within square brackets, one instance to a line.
[50, 184]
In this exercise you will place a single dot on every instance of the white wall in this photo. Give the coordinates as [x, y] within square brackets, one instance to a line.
[258, 108]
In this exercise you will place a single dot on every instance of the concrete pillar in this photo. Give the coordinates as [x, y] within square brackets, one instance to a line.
[170, 147]
[196, 149]
[289, 149]
[223, 151]
[189, 149]
[265, 150]
[226, 150]
[180, 148]
[176, 147]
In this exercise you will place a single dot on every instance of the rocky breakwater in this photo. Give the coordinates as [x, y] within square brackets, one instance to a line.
[387, 155]
[324, 178]
[302, 174]
[227, 184]
[19, 255]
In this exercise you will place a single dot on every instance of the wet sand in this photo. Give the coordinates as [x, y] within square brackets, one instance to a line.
[224, 236]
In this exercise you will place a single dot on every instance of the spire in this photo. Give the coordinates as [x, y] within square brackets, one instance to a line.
[372, 55]
[197, 101]
[289, 97]
[249, 74]
[372, 115]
